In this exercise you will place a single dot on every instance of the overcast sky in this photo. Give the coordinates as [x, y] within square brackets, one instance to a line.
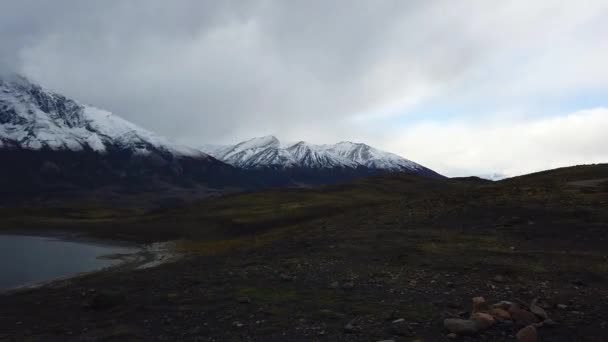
[463, 87]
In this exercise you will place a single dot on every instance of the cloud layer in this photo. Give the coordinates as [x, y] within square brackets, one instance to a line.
[386, 72]
[512, 147]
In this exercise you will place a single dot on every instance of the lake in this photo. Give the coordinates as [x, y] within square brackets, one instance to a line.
[27, 260]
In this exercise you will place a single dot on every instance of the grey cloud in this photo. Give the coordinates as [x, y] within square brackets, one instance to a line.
[208, 70]
[221, 71]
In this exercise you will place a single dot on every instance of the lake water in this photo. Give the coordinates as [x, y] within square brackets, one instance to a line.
[27, 260]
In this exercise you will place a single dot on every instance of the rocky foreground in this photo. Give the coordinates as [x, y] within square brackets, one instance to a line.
[532, 255]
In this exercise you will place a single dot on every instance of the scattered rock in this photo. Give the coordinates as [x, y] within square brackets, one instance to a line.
[483, 320]
[538, 311]
[460, 326]
[521, 316]
[500, 314]
[527, 334]
[479, 305]
[505, 305]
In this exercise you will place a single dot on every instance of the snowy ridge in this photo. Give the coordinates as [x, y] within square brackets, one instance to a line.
[267, 152]
[32, 117]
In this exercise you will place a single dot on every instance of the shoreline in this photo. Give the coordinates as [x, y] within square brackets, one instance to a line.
[143, 256]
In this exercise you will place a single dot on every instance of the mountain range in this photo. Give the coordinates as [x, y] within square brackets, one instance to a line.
[344, 158]
[52, 144]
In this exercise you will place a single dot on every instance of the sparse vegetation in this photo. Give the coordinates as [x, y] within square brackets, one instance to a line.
[341, 262]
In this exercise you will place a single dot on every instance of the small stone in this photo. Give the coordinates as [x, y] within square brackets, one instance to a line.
[521, 316]
[334, 285]
[500, 314]
[238, 324]
[505, 305]
[538, 311]
[450, 285]
[479, 304]
[527, 334]
[483, 320]
[452, 336]
[460, 326]
[562, 306]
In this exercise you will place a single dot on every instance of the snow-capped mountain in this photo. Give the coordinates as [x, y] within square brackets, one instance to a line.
[52, 144]
[268, 153]
[32, 117]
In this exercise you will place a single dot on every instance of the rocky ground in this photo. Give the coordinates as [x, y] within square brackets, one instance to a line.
[405, 268]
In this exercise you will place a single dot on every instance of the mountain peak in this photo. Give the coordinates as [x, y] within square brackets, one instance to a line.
[265, 152]
[33, 117]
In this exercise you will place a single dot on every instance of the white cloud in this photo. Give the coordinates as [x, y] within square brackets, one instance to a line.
[506, 147]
